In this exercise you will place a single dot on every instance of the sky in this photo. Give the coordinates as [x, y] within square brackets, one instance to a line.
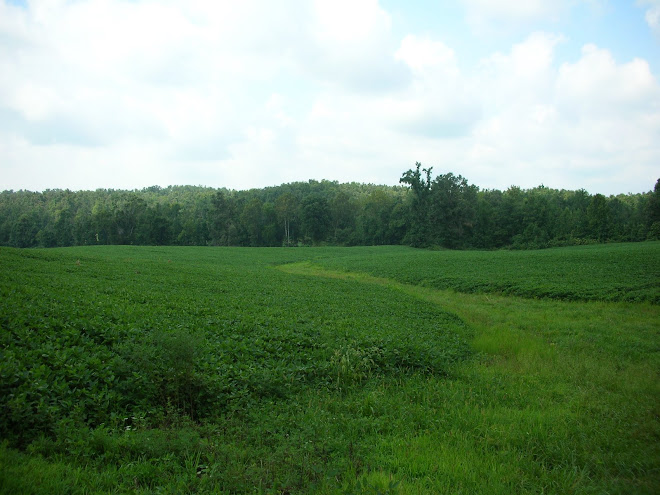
[126, 94]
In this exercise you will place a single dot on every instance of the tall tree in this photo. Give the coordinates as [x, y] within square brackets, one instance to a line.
[376, 218]
[452, 210]
[270, 232]
[128, 217]
[252, 219]
[419, 182]
[158, 228]
[286, 207]
[598, 216]
[222, 219]
[343, 210]
[653, 209]
[24, 231]
[315, 217]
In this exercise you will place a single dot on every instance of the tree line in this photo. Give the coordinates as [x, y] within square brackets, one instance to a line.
[423, 211]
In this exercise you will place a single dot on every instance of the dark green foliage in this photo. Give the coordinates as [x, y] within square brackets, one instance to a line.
[419, 232]
[653, 210]
[452, 211]
[315, 213]
[160, 369]
[446, 211]
[125, 332]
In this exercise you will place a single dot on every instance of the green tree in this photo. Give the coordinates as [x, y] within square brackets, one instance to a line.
[24, 231]
[252, 219]
[128, 217]
[270, 234]
[343, 211]
[578, 202]
[419, 182]
[157, 228]
[63, 216]
[103, 223]
[315, 217]
[286, 208]
[376, 216]
[398, 221]
[484, 233]
[653, 208]
[453, 203]
[223, 225]
[598, 217]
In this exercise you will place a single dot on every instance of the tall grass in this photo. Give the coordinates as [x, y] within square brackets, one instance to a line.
[562, 398]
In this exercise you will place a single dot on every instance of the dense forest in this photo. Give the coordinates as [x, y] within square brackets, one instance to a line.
[443, 211]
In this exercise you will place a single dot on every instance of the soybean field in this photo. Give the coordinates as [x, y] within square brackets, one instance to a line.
[387, 369]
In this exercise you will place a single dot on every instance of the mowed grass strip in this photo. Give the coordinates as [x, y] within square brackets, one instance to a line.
[563, 397]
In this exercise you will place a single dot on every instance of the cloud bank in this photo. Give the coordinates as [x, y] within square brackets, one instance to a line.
[108, 93]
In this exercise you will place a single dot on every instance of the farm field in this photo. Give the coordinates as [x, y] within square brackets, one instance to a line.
[614, 272]
[330, 370]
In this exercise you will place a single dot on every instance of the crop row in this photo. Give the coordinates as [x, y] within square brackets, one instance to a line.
[615, 272]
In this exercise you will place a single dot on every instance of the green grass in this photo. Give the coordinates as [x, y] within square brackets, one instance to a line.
[329, 370]
[563, 387]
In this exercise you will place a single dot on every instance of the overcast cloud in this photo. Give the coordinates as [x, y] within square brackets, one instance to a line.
[128, 94]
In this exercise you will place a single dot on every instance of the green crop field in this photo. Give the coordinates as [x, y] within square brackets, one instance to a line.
[330, 370]
[616, 272]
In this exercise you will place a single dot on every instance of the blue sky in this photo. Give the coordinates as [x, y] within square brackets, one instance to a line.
[127, 94]
[619, 26]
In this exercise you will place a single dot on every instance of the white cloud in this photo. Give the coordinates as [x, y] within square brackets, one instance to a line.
[597, 86]
[349, 43]
[424, 54]
[512, 9]
[350, 22]
[117, 70]
[652, 17]
[107, 93]
[522, 75]
[486, 17]
[652, 14]
[438, 103]
[590, 119]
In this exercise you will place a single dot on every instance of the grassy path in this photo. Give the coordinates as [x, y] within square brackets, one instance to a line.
[563, 392]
